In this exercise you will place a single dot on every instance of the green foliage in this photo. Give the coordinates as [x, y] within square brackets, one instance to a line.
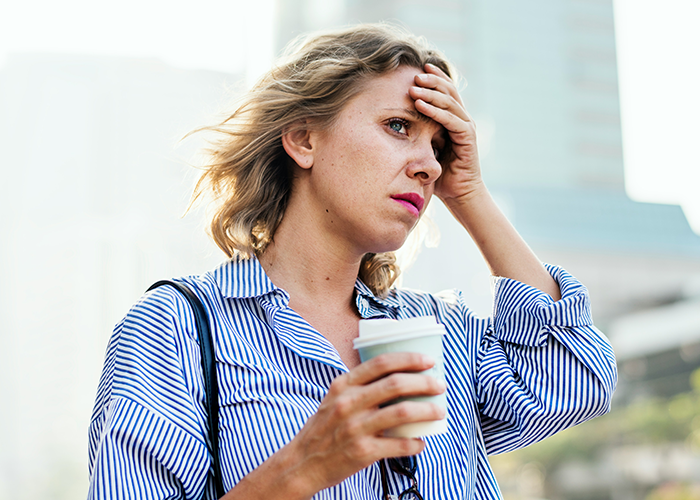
[675, 491]
[649, 421]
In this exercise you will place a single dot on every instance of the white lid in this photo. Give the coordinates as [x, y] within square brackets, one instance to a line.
[374, 331]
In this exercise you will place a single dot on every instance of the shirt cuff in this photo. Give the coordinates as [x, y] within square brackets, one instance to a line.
[523, 314]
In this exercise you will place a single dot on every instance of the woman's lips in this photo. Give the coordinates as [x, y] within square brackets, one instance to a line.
[412, 201]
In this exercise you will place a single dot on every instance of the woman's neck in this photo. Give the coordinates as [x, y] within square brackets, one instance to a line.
[310, 268]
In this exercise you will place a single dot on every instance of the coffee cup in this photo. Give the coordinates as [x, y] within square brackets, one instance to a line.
[422, 335]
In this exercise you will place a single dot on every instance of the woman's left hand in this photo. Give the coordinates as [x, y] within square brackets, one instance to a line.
[436, 97]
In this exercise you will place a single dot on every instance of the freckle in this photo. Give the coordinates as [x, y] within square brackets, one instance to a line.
[327, 278]
[326, 210]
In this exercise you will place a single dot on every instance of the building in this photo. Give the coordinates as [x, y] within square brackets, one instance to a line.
[93, 191]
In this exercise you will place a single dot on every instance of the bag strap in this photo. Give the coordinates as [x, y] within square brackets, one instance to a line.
[211, 385]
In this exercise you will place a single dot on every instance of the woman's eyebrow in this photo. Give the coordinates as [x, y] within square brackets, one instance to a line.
[412, 113]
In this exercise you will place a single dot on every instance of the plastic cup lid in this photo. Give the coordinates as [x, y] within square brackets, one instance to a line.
[374, 331]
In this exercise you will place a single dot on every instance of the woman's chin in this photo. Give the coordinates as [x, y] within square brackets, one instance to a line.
[382, 237]
[390, 243]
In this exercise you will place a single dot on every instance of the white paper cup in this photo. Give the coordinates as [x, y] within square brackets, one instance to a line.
[422, 335]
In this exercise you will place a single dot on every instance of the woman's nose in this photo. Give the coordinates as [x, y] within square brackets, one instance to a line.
[426, 165]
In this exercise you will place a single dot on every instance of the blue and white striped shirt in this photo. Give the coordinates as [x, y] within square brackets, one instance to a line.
[535, 368]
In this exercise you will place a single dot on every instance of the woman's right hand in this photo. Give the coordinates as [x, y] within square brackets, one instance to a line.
[345, 435]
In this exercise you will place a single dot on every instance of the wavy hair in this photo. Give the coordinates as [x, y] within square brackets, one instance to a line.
[249, 174]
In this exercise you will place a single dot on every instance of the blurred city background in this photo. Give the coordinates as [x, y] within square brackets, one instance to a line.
[580, 108]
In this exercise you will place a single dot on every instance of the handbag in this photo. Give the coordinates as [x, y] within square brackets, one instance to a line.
[211, 385]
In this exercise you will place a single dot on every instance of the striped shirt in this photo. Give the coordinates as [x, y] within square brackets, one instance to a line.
[534, 368]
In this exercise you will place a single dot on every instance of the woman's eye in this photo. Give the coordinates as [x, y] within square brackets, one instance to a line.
[436, 152]
[398, 126]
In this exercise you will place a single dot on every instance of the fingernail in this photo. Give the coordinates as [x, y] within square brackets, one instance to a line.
[442, 385]
[422, 77]
[428, 360]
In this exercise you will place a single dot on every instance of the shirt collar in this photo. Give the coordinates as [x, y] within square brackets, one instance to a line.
[369, 305]
[240, 278]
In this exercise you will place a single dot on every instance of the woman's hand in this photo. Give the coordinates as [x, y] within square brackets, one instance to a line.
[436, 97]
[345, 435]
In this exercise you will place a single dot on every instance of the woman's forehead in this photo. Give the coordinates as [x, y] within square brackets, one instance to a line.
[400, 78]
[388, 90]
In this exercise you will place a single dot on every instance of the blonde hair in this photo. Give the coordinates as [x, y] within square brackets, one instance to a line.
[248, 172]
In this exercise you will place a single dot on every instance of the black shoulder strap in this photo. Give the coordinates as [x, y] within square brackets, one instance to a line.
[211, 385]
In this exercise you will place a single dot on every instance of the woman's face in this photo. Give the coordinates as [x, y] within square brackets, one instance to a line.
[374, 170]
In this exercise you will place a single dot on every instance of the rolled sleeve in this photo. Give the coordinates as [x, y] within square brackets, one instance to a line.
[524, 315]
[542, 364]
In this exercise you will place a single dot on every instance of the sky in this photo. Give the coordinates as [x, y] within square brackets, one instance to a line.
[658, 46]
[220, 35]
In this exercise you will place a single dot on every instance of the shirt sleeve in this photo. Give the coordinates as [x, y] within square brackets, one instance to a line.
[146, 437]
[542, 366]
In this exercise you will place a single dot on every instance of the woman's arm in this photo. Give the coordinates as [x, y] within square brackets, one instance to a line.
[462, 189]
[146, 439]
[506, 253]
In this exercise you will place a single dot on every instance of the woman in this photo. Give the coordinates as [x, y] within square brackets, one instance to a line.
[320, 174]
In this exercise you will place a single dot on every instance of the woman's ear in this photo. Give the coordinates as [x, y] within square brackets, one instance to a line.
[298, 146]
